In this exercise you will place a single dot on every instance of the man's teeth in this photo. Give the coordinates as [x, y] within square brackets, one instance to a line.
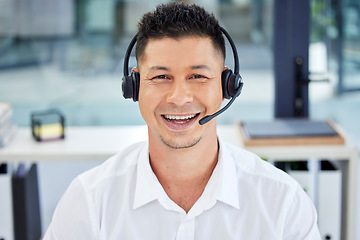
[174, 117]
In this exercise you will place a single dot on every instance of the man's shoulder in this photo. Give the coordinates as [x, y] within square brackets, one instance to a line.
[250, 165]
[119, 165]
[272, 193]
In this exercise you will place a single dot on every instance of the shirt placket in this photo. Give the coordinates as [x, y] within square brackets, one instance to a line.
[186, 230]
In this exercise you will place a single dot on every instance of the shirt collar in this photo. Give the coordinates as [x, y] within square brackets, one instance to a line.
[227, 185]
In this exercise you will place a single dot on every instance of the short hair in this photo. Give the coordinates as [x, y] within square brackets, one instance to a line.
[176, 20]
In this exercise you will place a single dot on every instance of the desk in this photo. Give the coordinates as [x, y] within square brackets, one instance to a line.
[80, 144]
[99, 143]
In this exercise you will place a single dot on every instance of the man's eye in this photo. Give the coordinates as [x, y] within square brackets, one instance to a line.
[197, 76]
[161, 77]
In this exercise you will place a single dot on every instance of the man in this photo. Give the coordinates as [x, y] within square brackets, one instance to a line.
[184, 182]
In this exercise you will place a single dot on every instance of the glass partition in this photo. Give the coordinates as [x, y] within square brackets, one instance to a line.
[335, 57]
[351, 46]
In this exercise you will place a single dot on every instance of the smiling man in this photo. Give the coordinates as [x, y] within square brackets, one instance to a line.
[184, 182]
[174, 94]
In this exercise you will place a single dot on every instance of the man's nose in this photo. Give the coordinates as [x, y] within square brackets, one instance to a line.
[180, 93]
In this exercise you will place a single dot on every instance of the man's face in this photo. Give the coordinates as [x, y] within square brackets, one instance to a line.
[180, 82]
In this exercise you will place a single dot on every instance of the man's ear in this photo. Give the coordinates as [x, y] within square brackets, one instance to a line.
[134, 69]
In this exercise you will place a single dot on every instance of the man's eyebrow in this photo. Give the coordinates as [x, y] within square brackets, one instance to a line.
[161, 68]
[202, 66]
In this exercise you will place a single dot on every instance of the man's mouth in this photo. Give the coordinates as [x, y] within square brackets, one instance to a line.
[180, 119]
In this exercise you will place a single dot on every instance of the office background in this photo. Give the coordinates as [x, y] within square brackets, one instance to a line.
[68, 54]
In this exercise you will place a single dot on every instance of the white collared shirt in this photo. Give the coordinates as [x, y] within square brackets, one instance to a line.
[245, 198]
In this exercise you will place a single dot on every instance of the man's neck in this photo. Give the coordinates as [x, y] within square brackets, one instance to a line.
[184, 173]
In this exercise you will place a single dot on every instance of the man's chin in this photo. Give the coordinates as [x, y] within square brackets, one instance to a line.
[178, 145]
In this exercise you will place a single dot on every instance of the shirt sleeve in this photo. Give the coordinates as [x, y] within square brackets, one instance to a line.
[301, 220]
[74, 216]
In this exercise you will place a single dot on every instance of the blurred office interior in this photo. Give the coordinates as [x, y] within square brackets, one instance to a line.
[68, 54]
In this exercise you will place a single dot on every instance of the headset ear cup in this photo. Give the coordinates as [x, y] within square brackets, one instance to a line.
[127, 87]
[230, 84]
[136, 85]
[225, 77]
[235, 83]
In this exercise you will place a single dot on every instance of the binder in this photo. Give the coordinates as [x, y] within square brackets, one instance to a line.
[329, 191]
[26, 206]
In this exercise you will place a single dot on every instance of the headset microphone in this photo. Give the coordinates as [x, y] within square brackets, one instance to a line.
[208, 118]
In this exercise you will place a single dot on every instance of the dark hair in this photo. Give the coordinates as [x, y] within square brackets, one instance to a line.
[175, 20]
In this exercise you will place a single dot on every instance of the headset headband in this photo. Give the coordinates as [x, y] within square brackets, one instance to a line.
[227, 35]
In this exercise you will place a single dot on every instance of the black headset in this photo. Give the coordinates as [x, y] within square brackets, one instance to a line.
[231, 82]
